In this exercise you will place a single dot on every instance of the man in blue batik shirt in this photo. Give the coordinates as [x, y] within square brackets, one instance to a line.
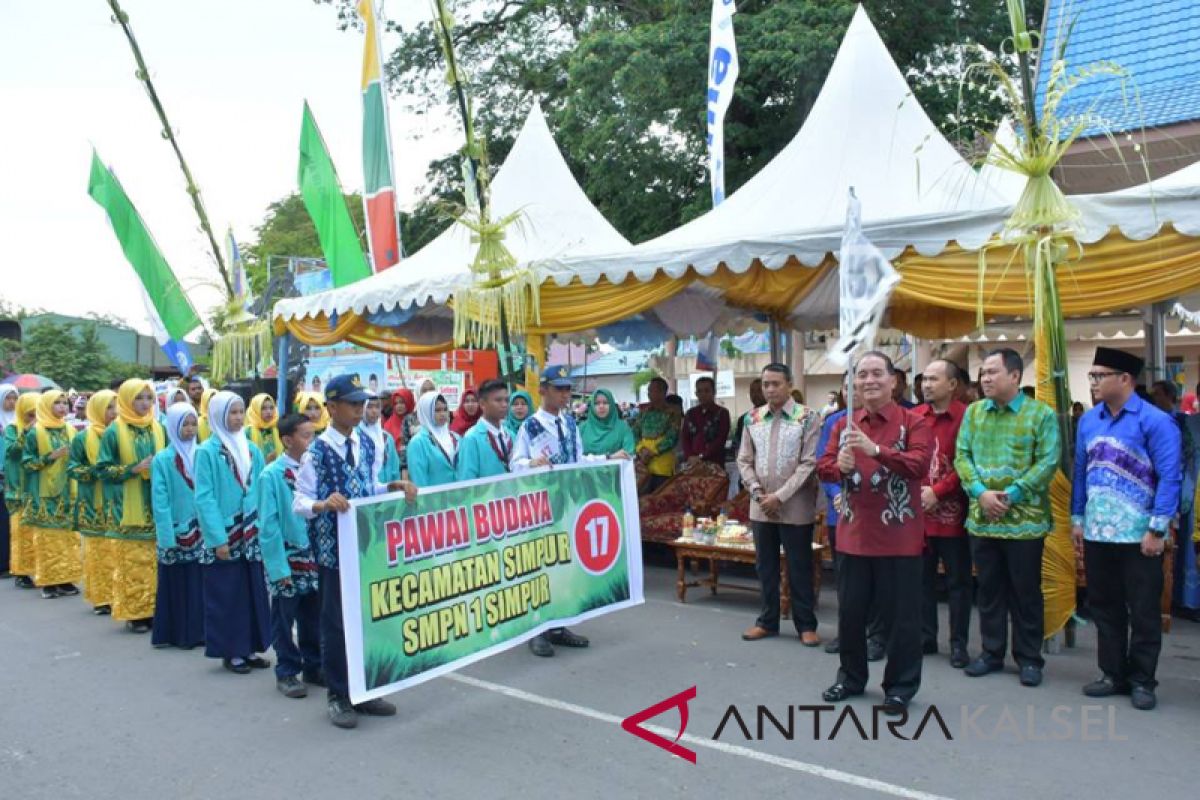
[1125, 494]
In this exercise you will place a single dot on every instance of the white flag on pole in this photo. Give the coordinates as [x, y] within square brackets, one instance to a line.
[722, 75]
[867, 280]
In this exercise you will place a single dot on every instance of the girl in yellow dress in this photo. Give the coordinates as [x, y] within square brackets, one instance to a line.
[91, 519]
[261, 419]
[21, 553]
[126, 451]
[49, 514]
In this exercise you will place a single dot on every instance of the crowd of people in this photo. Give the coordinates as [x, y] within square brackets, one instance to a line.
[966, 485]
[207, 519]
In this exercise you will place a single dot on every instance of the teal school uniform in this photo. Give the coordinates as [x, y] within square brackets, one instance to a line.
[428, 464]
[479, 453]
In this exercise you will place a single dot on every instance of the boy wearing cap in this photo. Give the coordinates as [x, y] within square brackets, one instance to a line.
[339, 467]
[550, 437]
[1128, 473]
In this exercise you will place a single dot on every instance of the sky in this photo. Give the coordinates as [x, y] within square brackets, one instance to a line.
[232, 75]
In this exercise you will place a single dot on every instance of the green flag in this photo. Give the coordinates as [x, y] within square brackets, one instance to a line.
[327, 206]
[173, 307]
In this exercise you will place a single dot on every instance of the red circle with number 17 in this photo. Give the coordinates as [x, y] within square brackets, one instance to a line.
[597, 537]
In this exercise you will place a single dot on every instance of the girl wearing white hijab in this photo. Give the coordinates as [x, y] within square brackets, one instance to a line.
[236, 607]
[8, 416]
[179, 604]
[433, 452]
[387, 460]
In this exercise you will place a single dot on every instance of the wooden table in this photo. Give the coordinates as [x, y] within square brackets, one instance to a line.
[739, 554]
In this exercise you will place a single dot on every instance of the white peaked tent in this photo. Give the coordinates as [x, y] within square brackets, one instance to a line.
[557, 220]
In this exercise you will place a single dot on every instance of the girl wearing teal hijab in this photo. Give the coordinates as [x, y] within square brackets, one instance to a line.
[513, 423]
[604, 433]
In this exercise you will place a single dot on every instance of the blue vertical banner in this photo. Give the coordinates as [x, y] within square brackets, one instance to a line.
[722, 75]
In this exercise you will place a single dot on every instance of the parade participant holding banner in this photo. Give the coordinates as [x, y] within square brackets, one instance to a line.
[236, 611]
[179, 604]
[126, 452]
[487, 448]
[548, 438]
[91, 517]
[387, 462]
[337, 469]
[881, 453]
[261, 418]
[291, 568]
[49, 515]
[433, 452]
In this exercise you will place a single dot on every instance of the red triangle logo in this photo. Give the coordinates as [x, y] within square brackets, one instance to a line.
[633, 724]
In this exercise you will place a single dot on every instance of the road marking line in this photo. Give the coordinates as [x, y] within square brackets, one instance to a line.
[816, 770]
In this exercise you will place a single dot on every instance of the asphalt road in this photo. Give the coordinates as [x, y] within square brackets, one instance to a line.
[89, 710]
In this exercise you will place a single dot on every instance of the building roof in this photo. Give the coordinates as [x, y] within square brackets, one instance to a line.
[616, 363]
[1154, 40]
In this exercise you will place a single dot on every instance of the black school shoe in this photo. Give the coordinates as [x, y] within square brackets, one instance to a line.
[959, 658]
[291, 687]
[376, 708]
[839, 692]
[894, 705]
[1105, 687]
[565, 638]
[102, 611]
[258, 662]
[50, 592]
[342, 714]
[540, 646]
[24, 582]
[875, 650]
[1031, 675]
[240, 667]
[982, 666]
[67, 590]
[138, 626]
[1142, 698]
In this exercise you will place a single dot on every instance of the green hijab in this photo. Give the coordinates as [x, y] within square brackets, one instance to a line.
[603, 436]
[511, 423]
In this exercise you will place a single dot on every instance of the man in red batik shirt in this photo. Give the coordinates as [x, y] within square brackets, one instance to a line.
[945, 505]
[705, 427]
[880, 457]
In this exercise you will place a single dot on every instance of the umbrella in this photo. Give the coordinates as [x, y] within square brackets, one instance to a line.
[31, 382]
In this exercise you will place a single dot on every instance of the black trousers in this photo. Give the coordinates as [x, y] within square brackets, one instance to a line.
[333, 636]
[5, 534]
[875, 629]
[894, 582]
[955, 553]
[1010, 585]
[1124, 591]
[797, 549]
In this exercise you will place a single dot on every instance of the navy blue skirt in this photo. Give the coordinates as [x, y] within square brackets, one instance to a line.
[237, 611]
[179, 606]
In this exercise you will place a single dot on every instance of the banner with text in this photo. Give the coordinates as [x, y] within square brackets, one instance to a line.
[472, 569]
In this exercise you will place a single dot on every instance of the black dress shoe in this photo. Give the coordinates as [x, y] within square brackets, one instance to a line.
[138, 626]
[834, 647]
[342, 714]
[1142, 698]
[315, 678]
[1105, 687]
[102, 611]
[67, 590]
[258, 662]
[875, 650]
[291, 687]
[24, 582]
[894, 705]
[839, 692]
[50, 592]
[929, 648]
[959, 658]
[376, 708]
[239, 667]
[1031, 675]
[564, 637]
[540, 646]
[982, 666]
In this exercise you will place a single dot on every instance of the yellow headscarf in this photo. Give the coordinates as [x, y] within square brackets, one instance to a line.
[302, 400]
[53, 479]
[204, 431]
[25, 404]
[133, 510]
[97, 409]
[262, 433]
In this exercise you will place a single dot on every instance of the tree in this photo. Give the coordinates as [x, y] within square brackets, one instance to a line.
[71, 355]
[622, 85]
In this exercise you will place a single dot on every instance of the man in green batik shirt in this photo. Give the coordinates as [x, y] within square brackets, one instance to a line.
[1007, 453]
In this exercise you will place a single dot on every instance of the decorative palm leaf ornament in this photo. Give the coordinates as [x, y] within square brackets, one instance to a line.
[1040, 233]
[503, 298]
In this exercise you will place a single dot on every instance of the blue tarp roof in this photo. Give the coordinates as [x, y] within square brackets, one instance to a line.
[1157, 41]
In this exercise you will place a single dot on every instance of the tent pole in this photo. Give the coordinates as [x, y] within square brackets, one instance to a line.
[281, 365]
[773, 333]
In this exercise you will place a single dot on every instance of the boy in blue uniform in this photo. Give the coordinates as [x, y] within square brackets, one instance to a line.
[339, 467]
[487, 447]
[291, 568]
